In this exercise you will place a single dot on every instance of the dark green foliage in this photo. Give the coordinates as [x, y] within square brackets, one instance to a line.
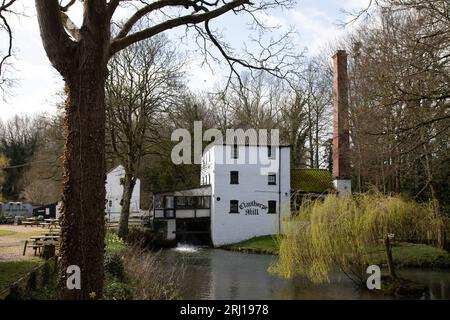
[114, 265]
[144, 237]
[19, 138]
[6, 218]
[402, 288]
[115, 290]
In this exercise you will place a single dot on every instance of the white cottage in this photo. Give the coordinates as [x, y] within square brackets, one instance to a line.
[244, 192]
[114, 191]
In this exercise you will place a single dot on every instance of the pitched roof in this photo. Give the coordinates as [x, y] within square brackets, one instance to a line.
[311, 180]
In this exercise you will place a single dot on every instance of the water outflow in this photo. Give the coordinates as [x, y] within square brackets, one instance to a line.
[186, 248]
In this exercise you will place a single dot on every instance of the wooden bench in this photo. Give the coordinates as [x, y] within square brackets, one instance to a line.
[35, 245]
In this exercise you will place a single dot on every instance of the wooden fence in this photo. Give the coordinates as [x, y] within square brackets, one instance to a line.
[38, 278]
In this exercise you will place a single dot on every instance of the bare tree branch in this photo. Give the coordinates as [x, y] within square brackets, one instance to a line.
[119, 44]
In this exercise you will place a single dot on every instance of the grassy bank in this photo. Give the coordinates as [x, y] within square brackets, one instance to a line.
[11, 271]
[5, 233]
[414, 255]
[264, 245]
[404, 254]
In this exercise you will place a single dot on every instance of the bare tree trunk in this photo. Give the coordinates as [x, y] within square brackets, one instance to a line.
[128, 186]
[82, 225]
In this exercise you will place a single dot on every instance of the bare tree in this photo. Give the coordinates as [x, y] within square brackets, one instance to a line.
[144, 80]
[19, 138]
[318, 109]
[399, 101]
[41, 183]
[3, 163]
[6, 50]
[81, 54]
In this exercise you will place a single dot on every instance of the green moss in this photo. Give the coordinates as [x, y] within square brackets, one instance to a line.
[264, 244]
[311, 180]
[12, 271]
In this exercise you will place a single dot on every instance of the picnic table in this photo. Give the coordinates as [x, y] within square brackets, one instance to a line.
[52, 233]
[45, 238]
[49, 223]
[38, 242]
[30, 222]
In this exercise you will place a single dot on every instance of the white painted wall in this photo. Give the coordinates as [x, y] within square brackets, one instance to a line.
[253, 185]
[343, 186]
[114, 190]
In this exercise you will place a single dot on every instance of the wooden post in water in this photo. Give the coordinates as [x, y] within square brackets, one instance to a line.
[390, 261]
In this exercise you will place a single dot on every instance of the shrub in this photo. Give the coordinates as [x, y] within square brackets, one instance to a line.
[115, 290]
[114, 265]
[149, 277]
[143, 237]
[113, 243]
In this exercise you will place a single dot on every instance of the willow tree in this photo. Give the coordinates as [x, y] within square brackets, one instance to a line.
[80, 54]
[340, 234]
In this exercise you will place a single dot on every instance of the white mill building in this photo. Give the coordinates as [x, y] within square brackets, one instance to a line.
[244, 192]
[245, 188]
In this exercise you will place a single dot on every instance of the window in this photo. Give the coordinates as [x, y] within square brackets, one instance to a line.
[169, 202]
[272, 179]
[234, 177]
[204, 202]
[270, 152]
[234, 206]
[272, 206]
[235, 152]
[159, 201]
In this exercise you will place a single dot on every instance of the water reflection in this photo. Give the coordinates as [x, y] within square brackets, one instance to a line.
[220, 274]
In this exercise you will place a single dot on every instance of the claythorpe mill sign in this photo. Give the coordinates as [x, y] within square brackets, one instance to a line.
[252, 207]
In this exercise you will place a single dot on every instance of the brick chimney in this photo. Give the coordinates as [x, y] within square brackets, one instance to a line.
[341, 143]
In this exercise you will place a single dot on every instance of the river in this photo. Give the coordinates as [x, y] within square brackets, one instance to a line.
[219, 274]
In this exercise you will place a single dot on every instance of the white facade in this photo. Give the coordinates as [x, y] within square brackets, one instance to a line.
[261, 205]
[114, 190]
[343, 186]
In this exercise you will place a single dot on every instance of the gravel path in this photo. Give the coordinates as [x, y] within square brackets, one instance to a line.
[11, 246]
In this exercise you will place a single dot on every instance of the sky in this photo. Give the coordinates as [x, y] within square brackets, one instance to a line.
[38, 84]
